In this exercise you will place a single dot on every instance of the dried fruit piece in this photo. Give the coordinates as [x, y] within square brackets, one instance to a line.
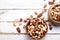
[58, 18]
[18, 29]
[40, 15]
[44, 10]
[51, 2]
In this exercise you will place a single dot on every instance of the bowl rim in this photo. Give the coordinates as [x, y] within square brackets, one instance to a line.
[49, 11]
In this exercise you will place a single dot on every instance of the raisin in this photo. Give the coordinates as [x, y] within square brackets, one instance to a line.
[20, 19]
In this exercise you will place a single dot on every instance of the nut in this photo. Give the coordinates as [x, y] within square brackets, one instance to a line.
[18, 29]
[51, 2]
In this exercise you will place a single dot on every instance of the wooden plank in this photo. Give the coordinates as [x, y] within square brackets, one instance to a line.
[7, 19]
[11, 15]
[23, 37]
[9, 28]
[20, 4]
[22, 9]
[5, 4]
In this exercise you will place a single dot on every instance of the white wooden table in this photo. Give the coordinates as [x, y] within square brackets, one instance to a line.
[15, 9]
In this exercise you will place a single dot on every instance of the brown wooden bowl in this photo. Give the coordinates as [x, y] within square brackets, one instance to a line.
[50, 17]
[36, 20]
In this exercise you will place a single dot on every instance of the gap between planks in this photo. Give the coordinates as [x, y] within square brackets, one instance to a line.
[24, 9]
[26, 33]
[9, 21]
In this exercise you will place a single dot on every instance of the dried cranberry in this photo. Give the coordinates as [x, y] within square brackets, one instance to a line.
[18, 29]
[58, 18]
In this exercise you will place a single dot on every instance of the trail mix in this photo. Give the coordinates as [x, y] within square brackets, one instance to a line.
[36, 28]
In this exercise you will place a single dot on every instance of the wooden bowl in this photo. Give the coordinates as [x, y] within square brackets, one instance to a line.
[55, 22]
[36, 22]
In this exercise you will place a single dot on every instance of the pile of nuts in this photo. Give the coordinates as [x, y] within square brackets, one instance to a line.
[55, 13]
[36, 28]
